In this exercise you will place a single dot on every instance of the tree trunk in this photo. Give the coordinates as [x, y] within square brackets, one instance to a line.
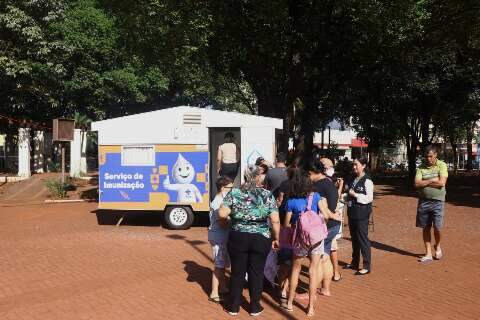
[469, 148]
[455, 159]
[323, 137]
[425, 130]
[412, 165]
[284, 137]
[307, 132]
[267, 106]
[374, 160]
[270, 107]
[412, 145]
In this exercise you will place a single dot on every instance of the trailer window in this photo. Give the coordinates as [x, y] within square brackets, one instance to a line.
[138, 156]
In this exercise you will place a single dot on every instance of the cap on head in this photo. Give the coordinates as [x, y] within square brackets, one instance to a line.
[326, 162]
[316, 167]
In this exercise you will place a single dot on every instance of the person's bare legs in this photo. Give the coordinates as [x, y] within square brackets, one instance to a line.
[285, 286]
[437, 236]
[283, 274]
[315, 274]
[336, 268]
[327, 268]
[296, 268]
[218, 281]
[427, 240]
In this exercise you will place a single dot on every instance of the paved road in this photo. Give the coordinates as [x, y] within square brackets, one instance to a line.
[58, 262]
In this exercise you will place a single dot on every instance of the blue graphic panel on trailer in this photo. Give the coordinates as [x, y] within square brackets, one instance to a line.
[181, 175]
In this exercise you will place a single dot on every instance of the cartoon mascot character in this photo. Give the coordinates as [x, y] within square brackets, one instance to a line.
[183, 174]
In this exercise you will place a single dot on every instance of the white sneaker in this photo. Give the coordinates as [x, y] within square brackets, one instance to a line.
[256, 314]
[232, 313]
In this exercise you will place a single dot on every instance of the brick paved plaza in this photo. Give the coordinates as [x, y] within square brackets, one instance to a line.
[59, 262]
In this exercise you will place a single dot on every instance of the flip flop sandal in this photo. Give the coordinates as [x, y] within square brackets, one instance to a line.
[215, 299]
[337, 280]
[286, 308]
[438, 254]
[425, 259]
[321, 293]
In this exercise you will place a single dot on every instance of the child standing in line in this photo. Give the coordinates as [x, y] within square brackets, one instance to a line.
[218, 237]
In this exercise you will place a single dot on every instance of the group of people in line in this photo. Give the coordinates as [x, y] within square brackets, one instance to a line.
[297, 212]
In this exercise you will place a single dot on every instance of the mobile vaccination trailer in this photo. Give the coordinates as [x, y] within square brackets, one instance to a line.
[166, 159]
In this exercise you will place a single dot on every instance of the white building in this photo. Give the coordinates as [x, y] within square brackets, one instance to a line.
[345, 138]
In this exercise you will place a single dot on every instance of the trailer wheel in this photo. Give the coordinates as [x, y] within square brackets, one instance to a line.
[178, 218]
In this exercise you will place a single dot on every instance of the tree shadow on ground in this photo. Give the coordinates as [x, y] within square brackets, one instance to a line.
[462, 189]
[276, 301]
[388, 248]
[199, 274]
[202, 275]
[398, 186]
[193, 243]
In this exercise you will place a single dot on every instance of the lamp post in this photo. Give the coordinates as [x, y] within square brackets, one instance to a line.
[329, 136]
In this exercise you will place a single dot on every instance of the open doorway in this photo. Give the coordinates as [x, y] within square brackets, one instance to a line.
[217, 138]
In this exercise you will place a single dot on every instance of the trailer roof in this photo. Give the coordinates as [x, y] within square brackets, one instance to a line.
[183, 124]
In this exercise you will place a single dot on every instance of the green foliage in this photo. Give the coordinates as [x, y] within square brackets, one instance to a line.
[81, 121]
[28, 67]
[103, 59]
[405, 69]
[58, 189]
[104, 80]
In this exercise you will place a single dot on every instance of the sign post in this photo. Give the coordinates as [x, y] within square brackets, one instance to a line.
[63, 163]
[63, 130]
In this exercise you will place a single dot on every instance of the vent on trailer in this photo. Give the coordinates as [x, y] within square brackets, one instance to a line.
[192, 119]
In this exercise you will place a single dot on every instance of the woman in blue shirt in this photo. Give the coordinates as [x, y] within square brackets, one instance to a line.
[300, 189]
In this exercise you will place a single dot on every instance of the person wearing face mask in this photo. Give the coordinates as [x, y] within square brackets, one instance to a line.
[338, 182]
[332, 175]
[218, 236]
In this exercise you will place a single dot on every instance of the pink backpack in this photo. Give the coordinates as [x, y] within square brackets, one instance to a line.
[310, 229]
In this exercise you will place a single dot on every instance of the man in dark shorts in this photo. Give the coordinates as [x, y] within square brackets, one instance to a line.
[430, 181]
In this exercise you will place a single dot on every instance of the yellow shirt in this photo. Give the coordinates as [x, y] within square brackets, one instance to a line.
[439, 169]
